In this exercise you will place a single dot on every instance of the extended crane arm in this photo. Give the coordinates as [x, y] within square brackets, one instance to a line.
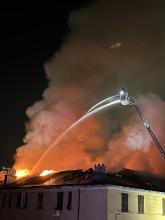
[125, 99]
[147, 126]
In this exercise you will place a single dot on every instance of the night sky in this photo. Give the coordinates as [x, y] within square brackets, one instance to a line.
[30, 36]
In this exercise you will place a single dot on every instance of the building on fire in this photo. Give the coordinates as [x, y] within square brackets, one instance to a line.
[84, 195]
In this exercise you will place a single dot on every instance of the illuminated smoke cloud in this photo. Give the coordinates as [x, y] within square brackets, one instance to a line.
[86, 70]
[133, 148]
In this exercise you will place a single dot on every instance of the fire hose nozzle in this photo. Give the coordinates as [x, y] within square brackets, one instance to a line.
[125, 99]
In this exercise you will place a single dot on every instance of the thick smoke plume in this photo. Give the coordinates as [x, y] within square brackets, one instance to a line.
[110, 46]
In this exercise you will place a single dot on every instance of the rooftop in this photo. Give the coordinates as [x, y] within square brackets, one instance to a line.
[125, 177]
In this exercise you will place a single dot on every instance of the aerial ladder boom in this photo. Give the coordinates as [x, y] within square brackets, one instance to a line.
[147, 126]
[125, 99]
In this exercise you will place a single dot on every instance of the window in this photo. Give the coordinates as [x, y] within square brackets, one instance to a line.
[22, 200]
[10, 199]
[3, 200]
[163, 206]
[59, 201]
[1, 196]
[40, 198]
[19, 200]
[124, 205]
[140, 204]
[69, 205]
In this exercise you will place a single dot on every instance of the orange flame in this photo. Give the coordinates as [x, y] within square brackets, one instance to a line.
[22, 173]
[46, 172]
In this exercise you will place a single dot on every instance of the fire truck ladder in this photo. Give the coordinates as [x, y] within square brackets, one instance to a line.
[147, 126]
[124, 99]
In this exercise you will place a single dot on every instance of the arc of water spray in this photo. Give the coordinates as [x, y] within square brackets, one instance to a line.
[113, 99]
[120, 98]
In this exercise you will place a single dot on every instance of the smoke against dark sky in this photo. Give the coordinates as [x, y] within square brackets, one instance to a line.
[28, 37]
[86, 69]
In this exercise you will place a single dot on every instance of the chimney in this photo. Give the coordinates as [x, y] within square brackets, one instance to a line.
[99, 169]
[10, 175]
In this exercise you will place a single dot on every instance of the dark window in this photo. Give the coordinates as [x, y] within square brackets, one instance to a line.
[0, 200]
[3, 201]
[69, 205]
[40, 201]
[22, 200]
[10, 199]
[140, 204]
[59, 201]
[19, 200]
[124, 202]
[163, 206]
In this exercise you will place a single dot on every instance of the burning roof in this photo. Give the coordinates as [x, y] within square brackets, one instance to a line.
[125, 177]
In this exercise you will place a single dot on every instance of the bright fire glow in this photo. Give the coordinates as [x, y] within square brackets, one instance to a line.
[22, 173]
[46, 172]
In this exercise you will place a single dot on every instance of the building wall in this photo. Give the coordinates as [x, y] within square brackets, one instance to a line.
[88, 203]
[48, 212]
[153, 208]
[93, 203]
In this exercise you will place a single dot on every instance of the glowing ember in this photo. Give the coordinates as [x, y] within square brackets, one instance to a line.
[22, 173]
[46, 172]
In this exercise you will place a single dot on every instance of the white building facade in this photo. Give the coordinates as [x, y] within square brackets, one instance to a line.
[85, 202]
